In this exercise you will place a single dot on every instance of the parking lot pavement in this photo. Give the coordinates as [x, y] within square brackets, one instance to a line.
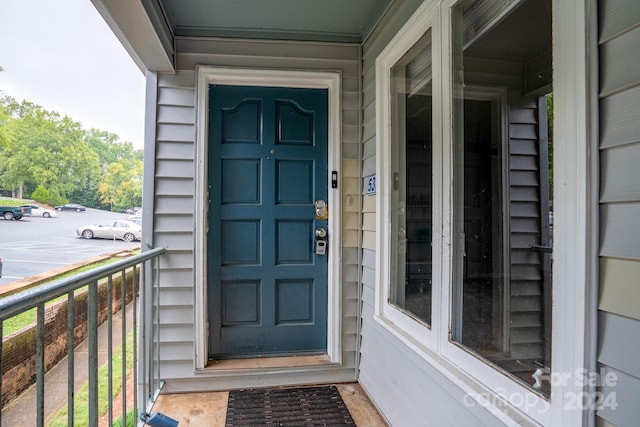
[36, 245]
[28, 258]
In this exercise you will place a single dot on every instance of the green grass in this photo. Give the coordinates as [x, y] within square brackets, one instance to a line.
[28, 317]
[14, 202]
[132, 419]
[81, 400]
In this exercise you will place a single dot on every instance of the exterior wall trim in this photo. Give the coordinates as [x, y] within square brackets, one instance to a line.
[330, 80]
[575, 203]
[149, 181]
[144, 37]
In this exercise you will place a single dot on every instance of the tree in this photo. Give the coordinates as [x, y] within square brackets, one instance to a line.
[109, 148]
[122, 184]
[4, 118]
[49, 156]
[47, 150]
[42, 195]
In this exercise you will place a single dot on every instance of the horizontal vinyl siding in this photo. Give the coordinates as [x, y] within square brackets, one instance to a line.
[175, 205]
[619, 121]
[369, 228]
[619, 287]
[617, 17]
[616, 332]
[624, 52]
[173, 220]
[620, 174]
[619, 226]
[624, 393]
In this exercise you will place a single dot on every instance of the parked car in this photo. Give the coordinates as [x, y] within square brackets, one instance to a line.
[14, 212]
[0, 267]
[40, 211]
[71, 207]
[135, 218]
[112, 229]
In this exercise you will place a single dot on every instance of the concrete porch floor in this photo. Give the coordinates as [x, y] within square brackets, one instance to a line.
[210, 408]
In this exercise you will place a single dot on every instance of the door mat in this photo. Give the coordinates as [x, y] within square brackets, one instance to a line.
[304, 406]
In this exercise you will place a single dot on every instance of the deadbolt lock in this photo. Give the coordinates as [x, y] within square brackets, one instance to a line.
[321, 209]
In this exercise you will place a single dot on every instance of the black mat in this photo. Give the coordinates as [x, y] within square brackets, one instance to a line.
[305, 406]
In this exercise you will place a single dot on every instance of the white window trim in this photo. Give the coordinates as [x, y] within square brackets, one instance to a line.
[207, 75]
[574, 208]
[425, 18]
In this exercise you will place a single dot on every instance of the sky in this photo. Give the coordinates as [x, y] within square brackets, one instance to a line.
[61, 55]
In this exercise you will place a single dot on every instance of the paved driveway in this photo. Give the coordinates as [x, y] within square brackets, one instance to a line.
[36, 245]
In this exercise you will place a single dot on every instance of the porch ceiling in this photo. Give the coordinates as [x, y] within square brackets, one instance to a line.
[148, 28]
[326, 20]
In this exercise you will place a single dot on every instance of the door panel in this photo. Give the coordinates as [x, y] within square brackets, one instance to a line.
[267, 290]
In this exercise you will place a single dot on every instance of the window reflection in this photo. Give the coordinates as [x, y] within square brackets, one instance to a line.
[411, 106]
[501, 300]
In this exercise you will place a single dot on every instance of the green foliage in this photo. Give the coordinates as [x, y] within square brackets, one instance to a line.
[42, 195]
[122, 184]
[108, 149]
[131, 421]
[4, 119]
[18, 322]
[13, 202]
[51, 155]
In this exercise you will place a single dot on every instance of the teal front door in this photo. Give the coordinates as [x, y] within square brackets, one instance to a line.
[267, 166]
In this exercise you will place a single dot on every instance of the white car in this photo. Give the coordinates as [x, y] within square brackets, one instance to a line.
[135, 218]
[113, 229]
[43, 212]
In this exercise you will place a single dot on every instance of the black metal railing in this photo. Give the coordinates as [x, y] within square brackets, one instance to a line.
[115, 298]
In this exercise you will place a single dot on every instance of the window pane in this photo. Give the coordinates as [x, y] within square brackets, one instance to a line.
[501, 299]
[411, 206]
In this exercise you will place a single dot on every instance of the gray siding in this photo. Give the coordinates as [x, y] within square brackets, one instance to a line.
[174, 217]
[174, 202]
[619, 318]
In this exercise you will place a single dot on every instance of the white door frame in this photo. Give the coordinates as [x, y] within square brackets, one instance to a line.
[207, 75]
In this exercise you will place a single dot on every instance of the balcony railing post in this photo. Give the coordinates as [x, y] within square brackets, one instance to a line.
[110, 344]
[146, 363]
[143, 377]
[92, 318]
[123, 311]
[71, 337]
[40, 365]
[134, 301]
